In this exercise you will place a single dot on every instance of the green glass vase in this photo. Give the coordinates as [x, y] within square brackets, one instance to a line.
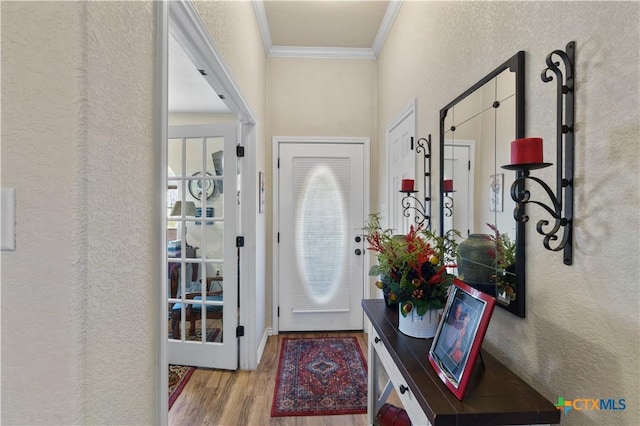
[477, 262]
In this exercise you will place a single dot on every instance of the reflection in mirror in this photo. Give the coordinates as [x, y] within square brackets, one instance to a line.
[476, 130]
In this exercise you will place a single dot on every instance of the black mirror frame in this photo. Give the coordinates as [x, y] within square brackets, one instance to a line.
[516, 64]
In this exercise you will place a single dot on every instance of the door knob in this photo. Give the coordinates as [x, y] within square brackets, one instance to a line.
[358, 252]
[403, 389]
[358, 239]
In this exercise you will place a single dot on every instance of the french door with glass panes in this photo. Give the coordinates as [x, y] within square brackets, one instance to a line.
[201, 266]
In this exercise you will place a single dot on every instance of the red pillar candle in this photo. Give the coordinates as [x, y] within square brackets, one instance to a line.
[526, 151]
[448, 185]
[407, 185]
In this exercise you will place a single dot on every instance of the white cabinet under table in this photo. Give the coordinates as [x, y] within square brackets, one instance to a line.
[495, 396]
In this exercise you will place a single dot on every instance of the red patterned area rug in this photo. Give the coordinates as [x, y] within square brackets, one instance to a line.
[179, 375]
[319, 377]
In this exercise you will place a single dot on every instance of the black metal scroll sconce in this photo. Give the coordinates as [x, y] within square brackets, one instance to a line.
[410, 202]
[448, 199]
[526, 155]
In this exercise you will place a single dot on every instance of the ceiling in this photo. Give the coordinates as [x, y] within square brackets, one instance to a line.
[189, 92]
[321, 23]
[309, 28]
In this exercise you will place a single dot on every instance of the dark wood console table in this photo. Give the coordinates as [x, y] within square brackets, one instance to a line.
[496, 396]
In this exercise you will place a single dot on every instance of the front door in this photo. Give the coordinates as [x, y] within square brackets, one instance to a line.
[321, 211]
[202, 263]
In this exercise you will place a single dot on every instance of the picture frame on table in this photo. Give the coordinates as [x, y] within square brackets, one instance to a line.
[456, 345]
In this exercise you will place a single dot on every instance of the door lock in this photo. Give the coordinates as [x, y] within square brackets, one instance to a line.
[358, 239]
[358, 252]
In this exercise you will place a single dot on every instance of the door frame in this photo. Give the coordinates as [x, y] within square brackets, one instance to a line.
[275, 149]
[192, 34]
[408, 113]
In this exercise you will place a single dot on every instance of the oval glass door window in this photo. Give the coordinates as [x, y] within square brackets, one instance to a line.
[321, 234]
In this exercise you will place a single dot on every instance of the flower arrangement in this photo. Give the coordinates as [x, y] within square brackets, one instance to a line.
[412, 267]
[505, 256]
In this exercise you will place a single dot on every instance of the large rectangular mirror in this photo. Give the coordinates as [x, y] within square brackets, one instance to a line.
[476, 130]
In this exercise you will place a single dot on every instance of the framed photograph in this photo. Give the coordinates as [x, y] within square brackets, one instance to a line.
[496, 185]
[261, 192]
[459, 337]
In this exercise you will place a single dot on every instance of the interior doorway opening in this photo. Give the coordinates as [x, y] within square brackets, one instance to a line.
[181, 21]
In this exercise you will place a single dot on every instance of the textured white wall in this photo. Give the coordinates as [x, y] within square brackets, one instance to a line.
[43, 150]
[321, 97]
[78, 294]
[581, 336]
[122, 266]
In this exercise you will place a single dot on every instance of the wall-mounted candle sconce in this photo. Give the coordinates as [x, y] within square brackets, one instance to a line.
[410, 202]
[447, 189]
[526, 155]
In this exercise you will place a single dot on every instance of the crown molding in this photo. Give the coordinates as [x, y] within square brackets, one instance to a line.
[326, 52]
[385, 26]
[263, 24]
[321, 52]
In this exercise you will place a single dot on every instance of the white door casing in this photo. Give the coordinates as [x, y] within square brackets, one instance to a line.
[401, 165]
[320, 204]
[207, 246]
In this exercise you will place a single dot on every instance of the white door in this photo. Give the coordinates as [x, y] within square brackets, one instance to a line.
[402, 165]
[458, 205]
[202, 260]
[321, 212]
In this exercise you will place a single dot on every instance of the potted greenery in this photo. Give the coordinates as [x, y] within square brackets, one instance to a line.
[412, 268]
[505, 256]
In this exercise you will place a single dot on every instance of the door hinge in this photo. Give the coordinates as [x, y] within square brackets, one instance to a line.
[411, 148]
[278, 237]
[278, 311]
[239, 241]
[240, 331]
[239, 151]
[278, 163]
[469, 165]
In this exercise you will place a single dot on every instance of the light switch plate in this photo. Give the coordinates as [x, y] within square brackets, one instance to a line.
[7, 218]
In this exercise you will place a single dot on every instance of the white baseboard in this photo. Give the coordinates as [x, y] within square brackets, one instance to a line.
[262, 345]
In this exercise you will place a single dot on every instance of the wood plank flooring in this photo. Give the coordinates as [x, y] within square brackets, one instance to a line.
[216, 397]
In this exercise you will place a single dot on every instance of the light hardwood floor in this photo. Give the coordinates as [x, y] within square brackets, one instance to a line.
[216, 397]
